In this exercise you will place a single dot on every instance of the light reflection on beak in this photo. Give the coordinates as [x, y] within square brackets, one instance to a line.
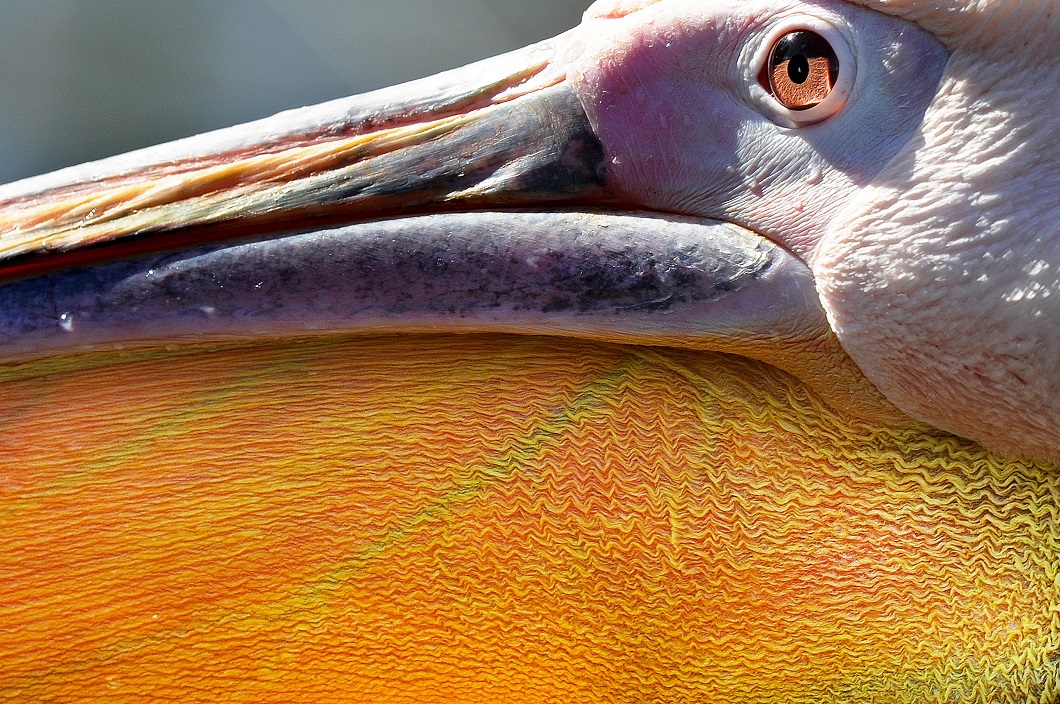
[506, 132]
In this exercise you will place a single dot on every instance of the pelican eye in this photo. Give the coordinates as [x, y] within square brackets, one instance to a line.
[802, 70]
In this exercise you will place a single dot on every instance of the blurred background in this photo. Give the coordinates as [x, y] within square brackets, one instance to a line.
[83, 79]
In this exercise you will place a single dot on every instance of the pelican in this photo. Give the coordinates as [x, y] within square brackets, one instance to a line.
[235, 385]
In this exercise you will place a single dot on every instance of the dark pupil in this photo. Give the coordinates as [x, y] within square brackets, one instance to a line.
[798, 69]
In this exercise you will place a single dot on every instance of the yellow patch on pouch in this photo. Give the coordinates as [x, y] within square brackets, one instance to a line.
[491, 518]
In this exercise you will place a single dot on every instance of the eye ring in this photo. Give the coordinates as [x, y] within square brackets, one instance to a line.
[802, 70]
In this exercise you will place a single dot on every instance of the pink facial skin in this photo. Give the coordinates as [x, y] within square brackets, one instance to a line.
[672, 90]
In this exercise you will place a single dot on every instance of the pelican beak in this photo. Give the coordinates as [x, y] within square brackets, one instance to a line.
[474, 201]
[503, 133]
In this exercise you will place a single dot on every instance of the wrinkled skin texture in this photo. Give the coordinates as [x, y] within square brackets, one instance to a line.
[943, 277]
[502, 519]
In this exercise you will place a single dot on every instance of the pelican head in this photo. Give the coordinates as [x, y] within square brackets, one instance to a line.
[860, 193]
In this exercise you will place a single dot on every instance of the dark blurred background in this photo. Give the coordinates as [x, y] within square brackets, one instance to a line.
[83, 79]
